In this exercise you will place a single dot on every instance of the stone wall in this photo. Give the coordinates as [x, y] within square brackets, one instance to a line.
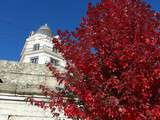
[24, 78]
[19, 80]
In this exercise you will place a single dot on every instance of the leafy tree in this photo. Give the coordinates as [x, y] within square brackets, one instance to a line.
[112, 64]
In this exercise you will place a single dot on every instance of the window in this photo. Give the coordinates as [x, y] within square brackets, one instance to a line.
[36, 47]
[54, 61]
[54, 50]
[34, 60]
[1, 81]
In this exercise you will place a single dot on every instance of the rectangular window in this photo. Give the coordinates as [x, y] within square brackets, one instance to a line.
[36, 47]
[34, 60]
[54, 50]
[54, 61]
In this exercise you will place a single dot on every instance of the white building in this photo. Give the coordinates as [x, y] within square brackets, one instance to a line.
[39, 48]
[19, 80]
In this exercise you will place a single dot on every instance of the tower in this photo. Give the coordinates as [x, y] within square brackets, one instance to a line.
[39, 49]
[19, 80]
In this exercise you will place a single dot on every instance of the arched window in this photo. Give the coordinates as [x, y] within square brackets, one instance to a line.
[36, 47]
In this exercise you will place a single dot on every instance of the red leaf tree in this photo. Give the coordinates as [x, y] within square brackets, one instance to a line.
[112, 64]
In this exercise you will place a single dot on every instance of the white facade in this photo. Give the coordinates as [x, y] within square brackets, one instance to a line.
[20, 80]
[14, 107]
[39, 48]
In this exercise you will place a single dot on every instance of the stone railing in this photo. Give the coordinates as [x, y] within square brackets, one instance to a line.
[45, 48]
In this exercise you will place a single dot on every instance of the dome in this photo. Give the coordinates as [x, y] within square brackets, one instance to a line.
[44, 29]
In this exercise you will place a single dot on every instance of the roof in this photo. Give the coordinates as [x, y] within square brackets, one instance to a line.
[44, 29]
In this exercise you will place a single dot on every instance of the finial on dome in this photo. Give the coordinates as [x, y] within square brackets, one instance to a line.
[44, 29]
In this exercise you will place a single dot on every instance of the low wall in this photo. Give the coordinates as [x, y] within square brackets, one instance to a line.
[24, 78]
[19, 80]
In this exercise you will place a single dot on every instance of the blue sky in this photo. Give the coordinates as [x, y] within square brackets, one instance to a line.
[19, 17]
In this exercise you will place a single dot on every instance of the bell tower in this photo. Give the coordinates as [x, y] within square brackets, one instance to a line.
[39, 49]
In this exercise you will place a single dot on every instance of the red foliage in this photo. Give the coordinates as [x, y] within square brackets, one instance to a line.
[113, 64]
